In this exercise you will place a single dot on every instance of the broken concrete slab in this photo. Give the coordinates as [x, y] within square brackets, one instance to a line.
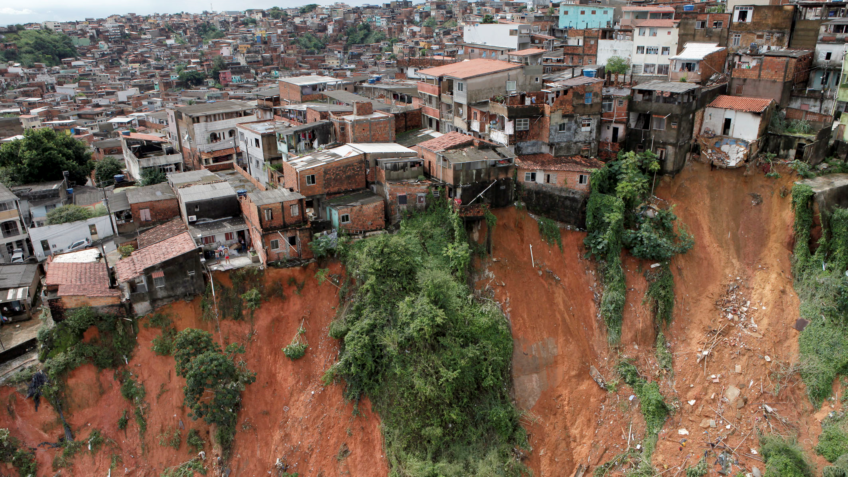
[731, 393]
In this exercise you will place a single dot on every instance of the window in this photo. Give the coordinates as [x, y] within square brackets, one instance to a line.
[460, 86]
[653, 32]
[510, 85]
[293, 240]
[45, 245]
[637, 69]
[4, 206]
[230, 236]
[718, 24]
[652, 50]
[743, 14]
[159, 279]
[620, 103]
[640, 50]
[401, 199]
[662, 69]
[144, 214]
[269, 214]
[294, 209]
[583, 179]
[345, 218]
[673, 125]
[582, 12]
[586, 124]
[275, 244]
[607, 105]
[208, 239]
[561, 127]
[588, 98]
[641, 32]
[522, 124]
[737, 38]
[529, 177]
[310, 179]
[256, 142]
[650, 69]
[699, 25]
[550, 178]
[666, 50]
[659, 123]
[828, 55]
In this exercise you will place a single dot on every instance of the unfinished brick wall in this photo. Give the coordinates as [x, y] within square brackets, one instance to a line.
[411, 190]
[407, 120]
[313, 115]
[564, 179]
[340, 176]
[249, 177]
[160, 211]
[364, 218]
[290, 92]
[366, 130]
[285, 251]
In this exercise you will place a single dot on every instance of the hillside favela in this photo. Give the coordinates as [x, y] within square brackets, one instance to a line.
[442, 238]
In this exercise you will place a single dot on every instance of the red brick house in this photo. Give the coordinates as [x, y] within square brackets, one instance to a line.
[564, 172]
[330, 172]
[359, 212]
[277, 224]
[364, 125]
[153, 205]
[77, 280]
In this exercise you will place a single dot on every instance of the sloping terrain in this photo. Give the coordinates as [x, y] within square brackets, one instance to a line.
[287, 413]
[742, 225]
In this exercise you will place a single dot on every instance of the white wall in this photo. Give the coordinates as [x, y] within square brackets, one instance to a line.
[61, 236]
[743, 125]
[666, 37]
[253, 154]
[609, 48]
[495, 34]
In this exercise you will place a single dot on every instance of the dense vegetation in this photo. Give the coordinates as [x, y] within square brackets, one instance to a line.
[42, 155]
[311, 43]
[433, 360]
[214, 381]
[362, 34]
[74, 213]
[618, 216]
[784, 458]
[106, 169]
[38, 46]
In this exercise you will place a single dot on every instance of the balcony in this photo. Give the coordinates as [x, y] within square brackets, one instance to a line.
[446, 98]
[432, 112]
[428, 88]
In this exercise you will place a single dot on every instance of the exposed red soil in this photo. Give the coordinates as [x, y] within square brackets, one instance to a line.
[558, 335]
[287, 413]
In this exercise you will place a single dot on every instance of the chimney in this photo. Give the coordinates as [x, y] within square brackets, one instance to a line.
[362, 108]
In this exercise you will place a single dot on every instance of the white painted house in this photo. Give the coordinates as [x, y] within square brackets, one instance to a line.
[507, 35]
[654, 41]
[51, 239]
[618, 43]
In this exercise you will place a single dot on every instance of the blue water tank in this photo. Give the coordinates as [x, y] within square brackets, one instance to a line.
[125, 133]
[241, 192]
[119, 178]
[70, 191]
[688, 8]
[589, 73]
[371, 81]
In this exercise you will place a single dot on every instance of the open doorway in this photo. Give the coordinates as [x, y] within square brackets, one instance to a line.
[725, 131]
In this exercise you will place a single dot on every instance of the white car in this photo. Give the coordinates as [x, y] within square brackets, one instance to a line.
[78, 245]
[17, 256]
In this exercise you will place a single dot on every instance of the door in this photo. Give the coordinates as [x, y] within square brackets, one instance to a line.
[334, 217]
[614, 134]
[726, 129]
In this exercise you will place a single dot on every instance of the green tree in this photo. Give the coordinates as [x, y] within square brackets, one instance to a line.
[430, 22]
[249, 21]
[618, 65]
[68, 213]
[308, 8]
[218, 65]
[189, 344]
[276, 13]
[152, 176]
[489, 19]
[42, 155]
[191, 78]
[105, 171]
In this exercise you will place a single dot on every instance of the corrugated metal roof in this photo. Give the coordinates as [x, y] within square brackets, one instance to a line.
[313, 79]
[274, 196]
[697, 51]
[670, 86]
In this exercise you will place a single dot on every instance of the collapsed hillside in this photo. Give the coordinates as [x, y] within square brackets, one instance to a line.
[287, 413]
[742, 224]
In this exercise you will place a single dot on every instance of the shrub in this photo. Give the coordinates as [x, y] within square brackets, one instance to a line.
[833, 441]
[122, 421]
[170, 438]
[784, 458]
[297, 348]
[549, 230]
[194, 440]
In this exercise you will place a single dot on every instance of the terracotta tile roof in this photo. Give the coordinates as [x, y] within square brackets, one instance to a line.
[145, 137]
[550, 163]
[470, 68]
[163, 232]
[741, 103]
[135, 264]
[447, 141]
[87, 279]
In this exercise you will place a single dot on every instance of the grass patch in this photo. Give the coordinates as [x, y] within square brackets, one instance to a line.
[194, 440]
[784, 458]
[13, 452]
[660, 294]
[664, 358]
[549, 230]
[433, 360]
[833, 441]
[171, 437]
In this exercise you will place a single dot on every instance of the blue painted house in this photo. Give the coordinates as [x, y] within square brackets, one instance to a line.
[582, 17]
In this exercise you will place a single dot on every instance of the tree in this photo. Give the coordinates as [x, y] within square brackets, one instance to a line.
[39, 46]
[430, 22]
[249, 21]
[42, 155]
[276, 13]
[68, 213]
[189, 344]
[191, 78]
[308, 8]
[489, 19]
[218, 65]
[618, 65]
[106, 170]
[151, 176]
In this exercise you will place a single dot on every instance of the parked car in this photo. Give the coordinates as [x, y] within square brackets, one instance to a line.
[17, 256]
[79, 244]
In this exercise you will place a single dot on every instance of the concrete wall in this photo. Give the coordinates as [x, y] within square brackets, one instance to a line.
[666, 37]
[609, 48]
[503, 35]
[563, 205]
[183, 277]
[585, 16]
[336, 177]
[742, 125]
[61, 236]
[160, 211]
